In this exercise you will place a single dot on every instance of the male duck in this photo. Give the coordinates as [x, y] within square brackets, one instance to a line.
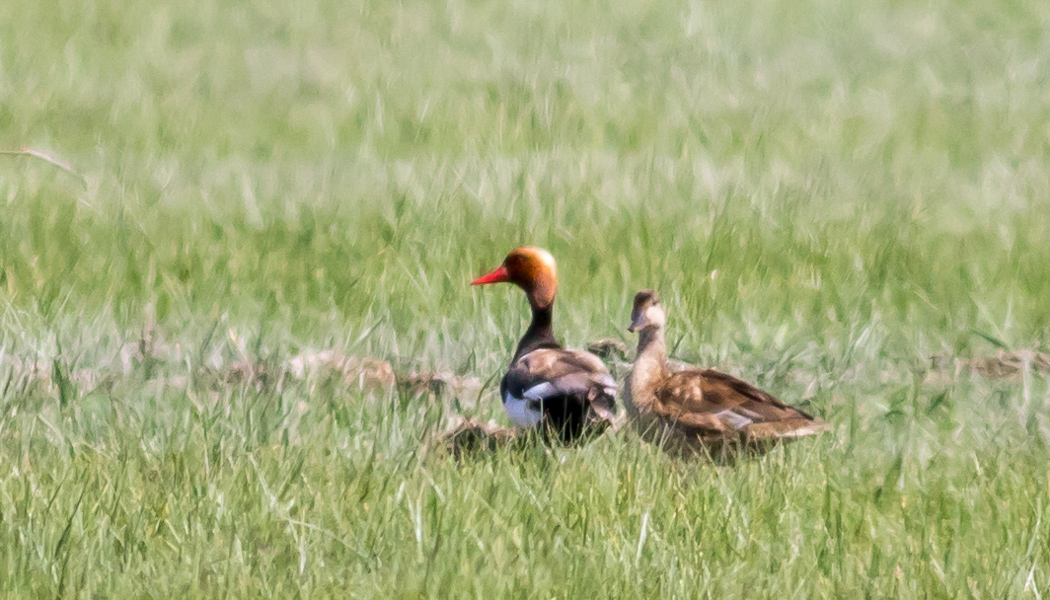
[567, 392]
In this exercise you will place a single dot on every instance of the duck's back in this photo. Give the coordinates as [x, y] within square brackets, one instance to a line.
[567, 390]
[711, 391]
[711, 407]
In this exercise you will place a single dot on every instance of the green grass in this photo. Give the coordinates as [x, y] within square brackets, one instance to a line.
[826, 195]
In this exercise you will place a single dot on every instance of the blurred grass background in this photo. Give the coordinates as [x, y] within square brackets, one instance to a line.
[826, 195]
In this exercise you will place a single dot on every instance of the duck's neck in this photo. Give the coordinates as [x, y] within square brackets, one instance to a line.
[540, 333]
[651, 357]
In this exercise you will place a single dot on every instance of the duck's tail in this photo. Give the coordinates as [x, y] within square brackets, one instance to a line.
[789, 428]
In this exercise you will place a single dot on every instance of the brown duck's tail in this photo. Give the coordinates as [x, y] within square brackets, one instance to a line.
[789, 428]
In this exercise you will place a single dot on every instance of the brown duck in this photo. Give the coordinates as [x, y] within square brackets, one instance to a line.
[566, 392]
[700, 409]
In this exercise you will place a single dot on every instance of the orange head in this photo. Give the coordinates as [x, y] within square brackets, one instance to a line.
[531, 269]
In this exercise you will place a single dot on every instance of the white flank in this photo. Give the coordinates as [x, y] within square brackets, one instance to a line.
[539, 392]
[519, 411]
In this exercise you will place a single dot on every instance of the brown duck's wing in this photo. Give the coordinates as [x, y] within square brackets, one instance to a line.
[577, 375]
[718, 402]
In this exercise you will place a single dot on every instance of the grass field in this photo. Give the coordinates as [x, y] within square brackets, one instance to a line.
[847, 203]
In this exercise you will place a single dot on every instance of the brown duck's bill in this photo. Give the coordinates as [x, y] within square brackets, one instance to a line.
[498, 276]
[636, 324]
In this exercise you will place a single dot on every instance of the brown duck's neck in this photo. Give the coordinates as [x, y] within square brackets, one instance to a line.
[652, 351]
[649, 367]
[651, 342]
[540, 333]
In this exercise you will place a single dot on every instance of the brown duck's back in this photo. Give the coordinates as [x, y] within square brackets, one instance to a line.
[708, 390]
[710, 405]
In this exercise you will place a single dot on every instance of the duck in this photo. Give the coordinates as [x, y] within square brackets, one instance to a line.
[566, 393]
[695, 411]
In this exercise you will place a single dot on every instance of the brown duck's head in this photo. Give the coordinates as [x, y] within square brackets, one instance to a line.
[647, 313]
[531, 269]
